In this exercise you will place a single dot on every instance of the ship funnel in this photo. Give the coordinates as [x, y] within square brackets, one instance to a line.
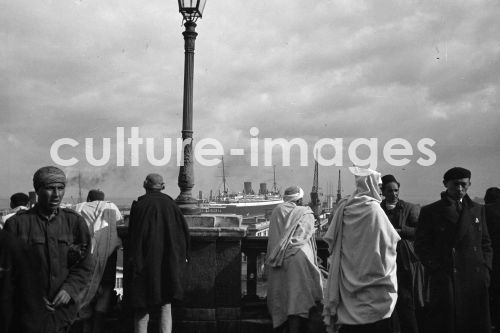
[248, 188]
[263, 188]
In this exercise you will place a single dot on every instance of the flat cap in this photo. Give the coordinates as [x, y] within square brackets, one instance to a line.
[389, 179]
[456, 173]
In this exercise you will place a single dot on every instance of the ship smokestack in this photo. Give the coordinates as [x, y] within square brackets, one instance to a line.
[248, 188]
[263, 188]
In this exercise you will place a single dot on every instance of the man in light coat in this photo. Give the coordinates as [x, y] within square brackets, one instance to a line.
[361, 290]
[294, 279]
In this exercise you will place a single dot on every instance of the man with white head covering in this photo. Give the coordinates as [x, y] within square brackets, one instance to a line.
[95, 300]
[361, 289]
[294, 280]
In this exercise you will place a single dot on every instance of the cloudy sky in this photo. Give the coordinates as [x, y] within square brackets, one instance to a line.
[312, 70]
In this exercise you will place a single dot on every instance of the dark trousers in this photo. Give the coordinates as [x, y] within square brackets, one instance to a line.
[405, 315]
[495, 308]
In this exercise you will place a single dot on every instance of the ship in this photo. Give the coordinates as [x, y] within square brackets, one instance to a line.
[242, 204]
[247, 203]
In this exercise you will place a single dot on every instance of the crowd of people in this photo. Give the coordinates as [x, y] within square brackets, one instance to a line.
[392, 266]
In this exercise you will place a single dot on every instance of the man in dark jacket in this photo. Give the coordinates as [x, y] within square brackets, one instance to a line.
[158, 251]
[21, 301]
[60, 240]
[404, 217]
[452, 242]
[492, 206]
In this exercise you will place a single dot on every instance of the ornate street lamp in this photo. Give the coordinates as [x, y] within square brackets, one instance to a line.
[191, 10]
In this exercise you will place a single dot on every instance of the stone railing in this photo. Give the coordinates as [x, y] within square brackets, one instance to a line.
[213, 281]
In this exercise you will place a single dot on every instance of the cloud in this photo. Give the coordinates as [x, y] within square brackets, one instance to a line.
[328, 69]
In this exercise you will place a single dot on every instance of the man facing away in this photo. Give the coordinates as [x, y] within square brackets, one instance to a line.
[404, 217]
[60, 240]
[101, 218]
[18, 201]
[361, 290]
[294, 282]
[452, 242]
[158, 252]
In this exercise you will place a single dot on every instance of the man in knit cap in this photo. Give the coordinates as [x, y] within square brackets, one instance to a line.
[453, 243]
[294, 282]
[60, 240]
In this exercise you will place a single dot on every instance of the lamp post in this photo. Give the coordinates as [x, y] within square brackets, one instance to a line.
[191, 10]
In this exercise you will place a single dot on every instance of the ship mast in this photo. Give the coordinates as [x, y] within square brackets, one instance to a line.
[80, 187]
[275, 187]
[315, 202]
[223, 177]
[339, 189]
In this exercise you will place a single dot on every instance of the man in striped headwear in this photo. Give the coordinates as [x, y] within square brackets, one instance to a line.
[60, 240]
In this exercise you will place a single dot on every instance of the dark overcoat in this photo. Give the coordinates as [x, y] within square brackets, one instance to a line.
[455, 249]
[158, 246]
[493, 222]
[21, 301]
[404, 218]
[61, 246]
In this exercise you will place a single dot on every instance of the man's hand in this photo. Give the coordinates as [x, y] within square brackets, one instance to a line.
[48, 305]
[62, 297]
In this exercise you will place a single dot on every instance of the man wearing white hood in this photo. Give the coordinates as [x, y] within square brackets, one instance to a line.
[361, 290]
[294, 280]
[95, 300]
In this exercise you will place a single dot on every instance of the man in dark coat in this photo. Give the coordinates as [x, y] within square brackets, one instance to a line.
[158, 252]
[404, 217]
[452, 242]
[492, 206]
[60, 240]
[21, 301]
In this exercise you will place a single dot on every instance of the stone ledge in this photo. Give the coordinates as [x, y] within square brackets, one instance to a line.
[214, 220]
[210, 233]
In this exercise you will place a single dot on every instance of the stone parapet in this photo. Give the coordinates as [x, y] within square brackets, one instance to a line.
[214, 221]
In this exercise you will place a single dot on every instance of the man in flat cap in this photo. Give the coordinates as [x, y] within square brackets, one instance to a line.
[60, 240]
[404, 217]
[158, 252]
[453, 244]
[294, 282]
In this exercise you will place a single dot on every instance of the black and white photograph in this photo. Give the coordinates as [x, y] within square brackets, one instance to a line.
[250, 166]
